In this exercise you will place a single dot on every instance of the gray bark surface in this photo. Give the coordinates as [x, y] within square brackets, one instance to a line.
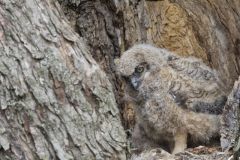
[160, 154]
[55, 101]
[231, 122]
[205, 29]
[209, 30]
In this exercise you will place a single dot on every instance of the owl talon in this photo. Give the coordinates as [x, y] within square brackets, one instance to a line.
[180, 142]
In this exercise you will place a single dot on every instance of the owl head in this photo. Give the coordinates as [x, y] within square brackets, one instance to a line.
[139, 61]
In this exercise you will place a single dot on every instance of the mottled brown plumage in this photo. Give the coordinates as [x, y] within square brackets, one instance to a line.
[177, 96]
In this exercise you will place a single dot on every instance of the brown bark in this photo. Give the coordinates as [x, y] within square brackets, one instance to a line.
[209, 30]
[231, 122]
[160, 154]
[55, 101]
[206, 29]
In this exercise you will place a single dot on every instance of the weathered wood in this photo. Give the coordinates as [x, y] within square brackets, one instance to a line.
[206, 29]
[209, 30]
[160, 154]
[231, 122]
[55, 101]
[51, 87]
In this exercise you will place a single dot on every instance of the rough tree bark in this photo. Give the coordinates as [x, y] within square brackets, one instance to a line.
[231, 122]
[206, 29]
[209, 30]
[55, 101]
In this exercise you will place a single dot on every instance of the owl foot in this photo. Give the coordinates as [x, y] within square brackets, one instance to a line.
[180, 139]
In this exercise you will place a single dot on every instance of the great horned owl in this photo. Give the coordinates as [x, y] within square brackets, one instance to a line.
[177, 96]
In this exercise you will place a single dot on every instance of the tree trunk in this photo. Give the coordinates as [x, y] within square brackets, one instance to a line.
[205, 29]
[209, 30]
[55, 101]
[230, 139]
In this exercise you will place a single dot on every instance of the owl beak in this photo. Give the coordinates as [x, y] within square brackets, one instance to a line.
[135, 81]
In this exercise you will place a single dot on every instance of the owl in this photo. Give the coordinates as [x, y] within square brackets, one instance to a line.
[176, 97]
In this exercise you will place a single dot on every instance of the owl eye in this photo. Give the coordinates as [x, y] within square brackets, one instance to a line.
[139, 69]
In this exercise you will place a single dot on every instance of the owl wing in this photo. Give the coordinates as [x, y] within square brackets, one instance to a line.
[197, 96]
[199, 105]
[193, 68]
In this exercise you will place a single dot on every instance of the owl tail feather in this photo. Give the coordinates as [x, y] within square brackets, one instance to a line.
[202, 126]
